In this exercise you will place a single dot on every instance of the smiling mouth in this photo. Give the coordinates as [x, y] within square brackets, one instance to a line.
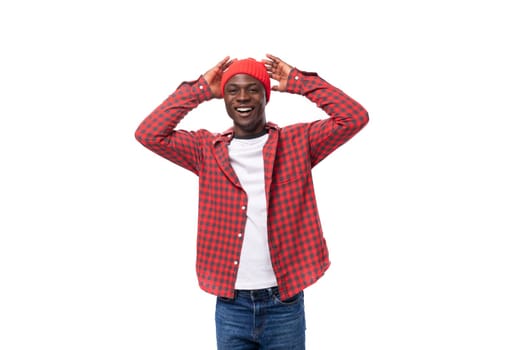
[244, 110]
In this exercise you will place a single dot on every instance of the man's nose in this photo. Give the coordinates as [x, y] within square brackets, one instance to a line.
[243, 94]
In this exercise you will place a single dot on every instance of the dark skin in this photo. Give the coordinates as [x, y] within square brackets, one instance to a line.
[244, 96]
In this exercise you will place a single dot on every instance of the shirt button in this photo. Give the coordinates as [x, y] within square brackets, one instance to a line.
[239, 235]
[235, 262]
[201, 87]
[296, 77]
[243, 207]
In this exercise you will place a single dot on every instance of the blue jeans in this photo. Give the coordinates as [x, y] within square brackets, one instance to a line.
[259, 319]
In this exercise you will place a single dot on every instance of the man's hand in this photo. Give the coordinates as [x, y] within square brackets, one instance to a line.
[214, 75]
[278, 70]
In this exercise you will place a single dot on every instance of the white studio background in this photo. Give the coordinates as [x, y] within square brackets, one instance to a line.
[423, 211]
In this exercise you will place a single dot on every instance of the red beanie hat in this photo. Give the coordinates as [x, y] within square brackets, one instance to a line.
[251, 67]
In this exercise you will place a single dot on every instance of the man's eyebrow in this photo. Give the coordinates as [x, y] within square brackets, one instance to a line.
[242, 84]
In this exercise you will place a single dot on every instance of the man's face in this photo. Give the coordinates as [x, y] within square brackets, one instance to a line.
[245, 100]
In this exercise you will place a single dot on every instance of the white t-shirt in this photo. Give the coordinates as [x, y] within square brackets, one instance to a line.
[255, 266]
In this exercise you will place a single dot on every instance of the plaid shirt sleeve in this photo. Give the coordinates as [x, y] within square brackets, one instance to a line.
[347, 116]
[157, 132]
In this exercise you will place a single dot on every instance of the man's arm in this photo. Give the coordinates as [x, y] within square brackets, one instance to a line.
[157, 132]
[346, 116]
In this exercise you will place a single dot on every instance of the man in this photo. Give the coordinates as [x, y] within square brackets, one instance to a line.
[259, 241]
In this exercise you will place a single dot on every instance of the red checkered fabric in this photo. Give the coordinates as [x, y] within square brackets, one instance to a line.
[297, 247]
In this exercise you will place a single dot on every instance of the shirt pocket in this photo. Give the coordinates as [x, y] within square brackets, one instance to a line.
[292, 161]
[290, 170]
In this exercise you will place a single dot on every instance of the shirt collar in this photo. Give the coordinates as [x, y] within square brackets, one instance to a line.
[227, 135]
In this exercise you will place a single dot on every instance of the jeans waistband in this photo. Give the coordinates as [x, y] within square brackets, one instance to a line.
[257, 294]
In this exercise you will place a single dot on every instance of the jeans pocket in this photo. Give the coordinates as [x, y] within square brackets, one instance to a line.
[290, 301]
[225, 300]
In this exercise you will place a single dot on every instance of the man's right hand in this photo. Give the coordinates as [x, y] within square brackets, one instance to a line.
[214, 75]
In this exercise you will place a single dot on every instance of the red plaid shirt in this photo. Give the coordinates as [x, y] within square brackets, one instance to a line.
[297, 247]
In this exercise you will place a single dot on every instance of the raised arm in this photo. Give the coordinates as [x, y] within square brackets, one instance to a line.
[157, 131]
[346, 116]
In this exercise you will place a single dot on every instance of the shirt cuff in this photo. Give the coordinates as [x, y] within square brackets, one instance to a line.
[297, 80]
[199, 89]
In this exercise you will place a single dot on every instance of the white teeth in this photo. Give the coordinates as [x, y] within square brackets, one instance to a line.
[245, 109]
